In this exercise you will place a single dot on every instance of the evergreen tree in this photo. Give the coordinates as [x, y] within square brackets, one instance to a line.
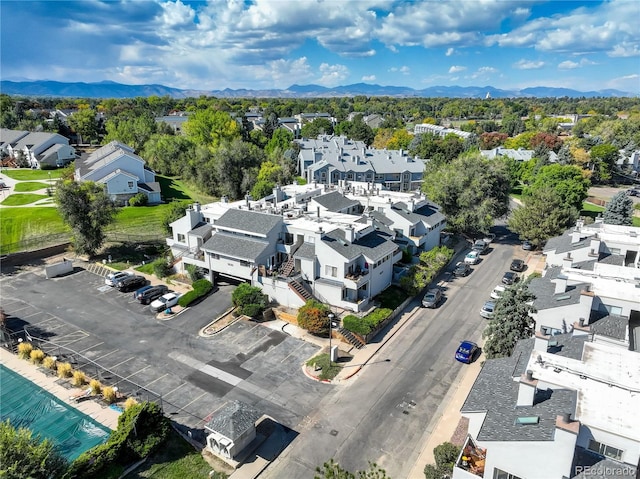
[511, 321]
[619, 210]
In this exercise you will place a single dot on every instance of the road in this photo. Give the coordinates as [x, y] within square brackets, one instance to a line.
[382, 414]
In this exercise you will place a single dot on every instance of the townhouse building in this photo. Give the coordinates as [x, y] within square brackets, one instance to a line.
[329, 160]
[37, 148]
[440, 131]
[305, 241]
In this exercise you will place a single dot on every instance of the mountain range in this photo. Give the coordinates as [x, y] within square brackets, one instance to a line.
[109, 89]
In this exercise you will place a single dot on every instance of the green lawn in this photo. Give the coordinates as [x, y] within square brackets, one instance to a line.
[20, 199]
[24, 174]
[18, 224]
[27, 186]
[140, 220]
[591, 210]
[173, 188]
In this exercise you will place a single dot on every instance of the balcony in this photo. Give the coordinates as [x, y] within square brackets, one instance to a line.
[471, 461]
[357, 277]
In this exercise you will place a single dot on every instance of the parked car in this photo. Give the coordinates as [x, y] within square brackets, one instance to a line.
[432, 298]
[462, 269]
[527, 245]
[466, 352]
[138, 292]
[152, 294]
[480, 246]
[488, 238]
[112, 278]
[472, 257]
[633, 192]
[497, 291]
[131, 283]
[487, 309]
[518, 265]
[165, 301]
[510, 277]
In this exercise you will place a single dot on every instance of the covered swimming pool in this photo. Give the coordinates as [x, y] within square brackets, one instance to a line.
[27, 405]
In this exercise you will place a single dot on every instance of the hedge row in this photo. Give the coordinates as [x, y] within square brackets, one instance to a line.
[367, 323]
[201, 287]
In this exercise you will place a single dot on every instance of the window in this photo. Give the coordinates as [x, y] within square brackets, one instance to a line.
[330, 270]
[605, 450]
[181, 238]
[130, 184]
[500, 474]
[215, 256]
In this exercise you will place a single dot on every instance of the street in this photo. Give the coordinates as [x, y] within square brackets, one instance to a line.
[381, 414]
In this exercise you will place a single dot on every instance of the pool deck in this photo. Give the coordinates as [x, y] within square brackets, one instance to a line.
[104, 415]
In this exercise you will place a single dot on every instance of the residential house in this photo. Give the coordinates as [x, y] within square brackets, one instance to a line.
[554, 409]
[123, 173]
[37, 148]
[329, 160]
[519, 155]
[440, 131]
[307, 241]
[175, 121]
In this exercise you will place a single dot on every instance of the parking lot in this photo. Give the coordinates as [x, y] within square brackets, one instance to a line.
[192, 375]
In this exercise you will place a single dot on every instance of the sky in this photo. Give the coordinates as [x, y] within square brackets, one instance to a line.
[267, 44]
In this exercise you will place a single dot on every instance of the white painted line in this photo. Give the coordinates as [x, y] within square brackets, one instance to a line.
[91, 347]
[291, 354]
[187, 405]
[138, 371]
[32, 314]
[156, 379]
[122, 362]
[104, 356]
[173, 390]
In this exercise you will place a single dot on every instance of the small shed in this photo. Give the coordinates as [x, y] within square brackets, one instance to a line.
[231, 429]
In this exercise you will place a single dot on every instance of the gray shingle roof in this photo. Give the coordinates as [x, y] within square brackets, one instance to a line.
[562, 244]
[335, 201]
[249, 221]
[611, 326]
[568, 345]
[233, 420]
[235, 246]
[201, 230]
[306, 251]
[495, 392]
[103, 156]
[603, 469]
[546, 297]
[8, 137]
[427, 213]
[150, 186]
[373, 245]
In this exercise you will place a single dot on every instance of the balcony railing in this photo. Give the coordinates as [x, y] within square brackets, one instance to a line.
[472, 458]
[355, 275]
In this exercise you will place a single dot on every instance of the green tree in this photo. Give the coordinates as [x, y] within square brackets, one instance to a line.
[87, 209]
[24, 456]
[569, 181]
[175, 211]
[168, 154]
[130, 129]
[231, 168]
[445, 455]
[84, 123]
[619, 210]
[319, 126]
[603, 159]
[421, 274]
[212, 128]
[313, 317]
[471, 191]
[511, 321]
[543, 216]
[280, 141]
[249, 299]
[332, 470]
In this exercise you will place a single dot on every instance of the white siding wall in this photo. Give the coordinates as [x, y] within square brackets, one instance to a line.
[562, 317]
[122, 184]
[279, 291]
[125, 163]
[630, 448]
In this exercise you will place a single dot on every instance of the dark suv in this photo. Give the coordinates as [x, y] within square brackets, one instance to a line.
[131, 283]
[152, 294]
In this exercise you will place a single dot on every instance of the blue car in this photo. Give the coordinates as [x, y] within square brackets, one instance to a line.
[138, 292]
[466, 352]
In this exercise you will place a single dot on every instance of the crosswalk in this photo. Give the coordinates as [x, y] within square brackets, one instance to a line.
[96, 268]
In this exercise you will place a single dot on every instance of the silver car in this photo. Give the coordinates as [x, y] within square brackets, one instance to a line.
[432, 298]
[487, 309]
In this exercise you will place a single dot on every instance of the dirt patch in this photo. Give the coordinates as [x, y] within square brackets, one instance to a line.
[216, 463]
[221, 323]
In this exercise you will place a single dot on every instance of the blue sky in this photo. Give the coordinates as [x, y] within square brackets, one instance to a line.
[264, 44]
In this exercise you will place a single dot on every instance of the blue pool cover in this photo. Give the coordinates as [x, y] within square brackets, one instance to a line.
[27, 405]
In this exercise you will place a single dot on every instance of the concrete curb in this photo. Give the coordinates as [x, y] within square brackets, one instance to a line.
[171, 316]
[202, 334]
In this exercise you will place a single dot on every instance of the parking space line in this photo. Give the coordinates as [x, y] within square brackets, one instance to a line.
[138, 371]
[13, 313]
[156, 379]
[173, 390]
[91, 347]
[122, 362]
[104, 356]
[239, 336]
[292, 352]
[187, 405]
[32, 314]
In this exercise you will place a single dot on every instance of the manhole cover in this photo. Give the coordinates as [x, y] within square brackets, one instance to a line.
[334, 432]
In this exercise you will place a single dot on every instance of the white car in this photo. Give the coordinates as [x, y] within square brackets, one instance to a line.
[472, 257]
[498, 291]
[112, 278]
[165, 301]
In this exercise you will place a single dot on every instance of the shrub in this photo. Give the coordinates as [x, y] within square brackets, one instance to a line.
[95, 386]
[139, 200]
[161, 268]
[49, 362]
[200, 287]
[314, 317]
[129, 403]
[193, 272]
[64, 370]
[109, 394]
[24, 350]
[328, 369]
[79, 379]
[249, 299]
[367, 323]
[37, 356]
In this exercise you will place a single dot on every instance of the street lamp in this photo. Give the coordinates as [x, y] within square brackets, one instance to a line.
[331, 318]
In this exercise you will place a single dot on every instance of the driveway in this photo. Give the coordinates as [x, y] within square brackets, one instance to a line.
[148, 358]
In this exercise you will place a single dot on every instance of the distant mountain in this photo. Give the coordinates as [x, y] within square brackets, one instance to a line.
[109, 89]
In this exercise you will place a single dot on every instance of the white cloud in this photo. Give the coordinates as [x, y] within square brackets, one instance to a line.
[332, 75]
[177, 13]
[457, 68]
[450, 51]
[528, 64]
[626, 83]
[570, 65]
[368, 78]
[624, 50]
[487, 70]
[405, 70]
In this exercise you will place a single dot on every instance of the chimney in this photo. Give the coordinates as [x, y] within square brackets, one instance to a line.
[224, 199]
[196, 207]
[575, 236]
[364, 151]
[567, 261]
[349, 234]
[526, 393]
[411, 205]
[529, 375]
[318, 211]
[561, 284]
[566, 417]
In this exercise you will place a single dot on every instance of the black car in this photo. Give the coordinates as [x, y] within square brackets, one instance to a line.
[131, 283]
[152, 294]
[517, 265]
[510, 278]
[462, 269]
